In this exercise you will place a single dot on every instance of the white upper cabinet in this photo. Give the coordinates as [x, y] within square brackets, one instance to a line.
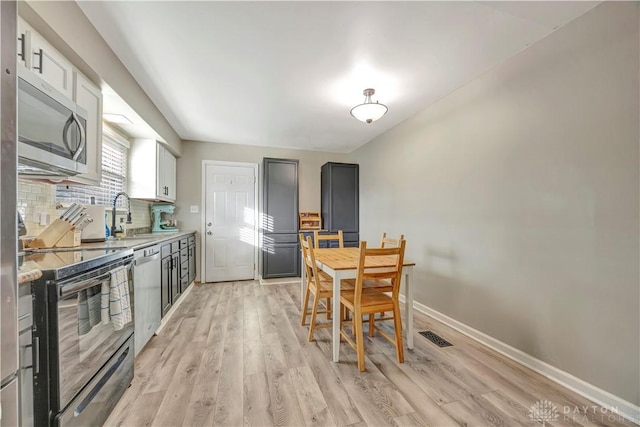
[152, 171]
[50, 65]
[38, 56]
[166, 178]
[88, 96]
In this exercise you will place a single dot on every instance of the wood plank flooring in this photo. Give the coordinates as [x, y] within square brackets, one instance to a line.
[234, 354]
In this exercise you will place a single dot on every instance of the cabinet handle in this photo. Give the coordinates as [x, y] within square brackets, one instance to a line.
[36, 352]
[22, 40]
[39, 53]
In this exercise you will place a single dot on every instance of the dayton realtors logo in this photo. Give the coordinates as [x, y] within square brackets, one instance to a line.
[544, 411]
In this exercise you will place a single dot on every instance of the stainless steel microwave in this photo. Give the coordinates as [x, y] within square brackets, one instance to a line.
[52, 130]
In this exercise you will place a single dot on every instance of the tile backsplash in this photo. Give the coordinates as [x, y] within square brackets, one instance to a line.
[37, 203]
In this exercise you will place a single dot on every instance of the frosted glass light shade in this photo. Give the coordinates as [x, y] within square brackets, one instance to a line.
[369, 112]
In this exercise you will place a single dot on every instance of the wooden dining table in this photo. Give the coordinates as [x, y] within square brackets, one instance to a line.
[342, 263]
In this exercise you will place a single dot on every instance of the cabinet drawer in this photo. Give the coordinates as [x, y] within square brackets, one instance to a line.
[192, 240]
[184, 254]
[184, 268]
[165, 250]
[175, 246]
[184, 243]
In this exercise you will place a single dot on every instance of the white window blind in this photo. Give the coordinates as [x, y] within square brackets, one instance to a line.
[115, 151]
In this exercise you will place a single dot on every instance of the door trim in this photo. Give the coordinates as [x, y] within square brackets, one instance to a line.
[203, 185]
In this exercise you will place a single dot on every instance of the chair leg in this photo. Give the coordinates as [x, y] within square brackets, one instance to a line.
[314, 313]
[397, 323]
[305, 307]
[357, 323]
[372, 332]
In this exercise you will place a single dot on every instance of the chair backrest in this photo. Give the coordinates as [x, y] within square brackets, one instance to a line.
[370, 257]
[309, 259]
[388, 242]
[338, 236]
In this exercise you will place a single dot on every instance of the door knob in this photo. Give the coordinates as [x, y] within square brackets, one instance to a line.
[209, 233]
[209, 224]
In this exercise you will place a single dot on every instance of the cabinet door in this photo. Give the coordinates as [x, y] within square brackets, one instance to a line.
[175, 277]
[89, 97]
[54, 68]
[280, 196]
[166, 285]
[192, 263]
[281, 260]
[161, 186]
[340, 204]
[170, 174]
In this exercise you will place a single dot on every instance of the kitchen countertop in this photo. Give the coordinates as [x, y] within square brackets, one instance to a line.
[136, 242]
[28, 273]
[30, 270]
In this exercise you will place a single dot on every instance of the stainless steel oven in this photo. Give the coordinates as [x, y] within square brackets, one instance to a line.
[85, 358]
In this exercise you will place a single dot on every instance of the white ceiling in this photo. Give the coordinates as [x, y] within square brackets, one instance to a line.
[286, 74]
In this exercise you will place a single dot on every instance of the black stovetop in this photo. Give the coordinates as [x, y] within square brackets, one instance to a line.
[60, 264]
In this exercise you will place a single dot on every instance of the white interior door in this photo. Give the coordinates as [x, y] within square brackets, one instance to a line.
[229, 221]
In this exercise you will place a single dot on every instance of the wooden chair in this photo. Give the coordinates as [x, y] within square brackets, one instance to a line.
[363, 301]
[388, 242]
[317, 237]
[319, 284]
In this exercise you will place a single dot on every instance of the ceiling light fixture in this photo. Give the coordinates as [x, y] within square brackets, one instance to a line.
[117, 118]
[369, 111]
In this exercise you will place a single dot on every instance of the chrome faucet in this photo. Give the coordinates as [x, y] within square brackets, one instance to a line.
[113, 212]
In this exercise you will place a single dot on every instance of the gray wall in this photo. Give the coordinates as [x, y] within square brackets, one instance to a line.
[189, 175]
[518, 194]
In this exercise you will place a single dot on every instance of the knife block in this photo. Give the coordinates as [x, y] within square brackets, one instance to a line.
[51, 235]
[70, 239]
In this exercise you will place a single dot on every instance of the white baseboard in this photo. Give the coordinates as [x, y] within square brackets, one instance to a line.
[282, 281]
[602, 397]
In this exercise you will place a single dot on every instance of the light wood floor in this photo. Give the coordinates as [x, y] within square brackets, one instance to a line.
[234, 354]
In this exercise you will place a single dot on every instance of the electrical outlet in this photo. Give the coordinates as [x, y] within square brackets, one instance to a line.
[193, 208]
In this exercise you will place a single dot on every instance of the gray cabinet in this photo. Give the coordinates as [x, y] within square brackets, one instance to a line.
[340, 200]
[281, 251]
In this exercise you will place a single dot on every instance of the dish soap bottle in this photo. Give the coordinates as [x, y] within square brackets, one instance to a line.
[106, 227]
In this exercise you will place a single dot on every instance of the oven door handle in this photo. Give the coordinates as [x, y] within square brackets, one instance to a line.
[85, 284]
[96, 389]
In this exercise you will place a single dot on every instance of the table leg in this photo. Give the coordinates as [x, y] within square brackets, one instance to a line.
[303, 282]
[336, 316]
[408, 306]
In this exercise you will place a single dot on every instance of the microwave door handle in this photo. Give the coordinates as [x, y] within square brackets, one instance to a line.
[83, 139]
[65, 132]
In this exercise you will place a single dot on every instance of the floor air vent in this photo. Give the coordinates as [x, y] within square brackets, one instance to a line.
[436, 339]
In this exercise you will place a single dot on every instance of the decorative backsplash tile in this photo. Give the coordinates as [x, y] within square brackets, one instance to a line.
[37, 204]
